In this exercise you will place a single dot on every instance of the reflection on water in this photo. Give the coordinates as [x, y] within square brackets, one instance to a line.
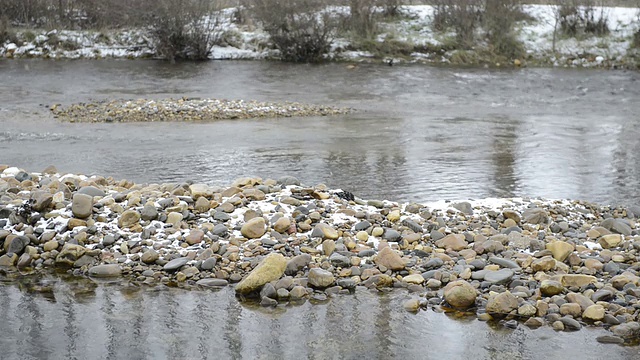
[420, 133]
[84, 320]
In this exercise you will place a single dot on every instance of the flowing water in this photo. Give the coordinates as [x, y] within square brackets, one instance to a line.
[418, 134]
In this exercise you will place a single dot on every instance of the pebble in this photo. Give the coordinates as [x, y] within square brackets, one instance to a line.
[562, 259]
[186, 110]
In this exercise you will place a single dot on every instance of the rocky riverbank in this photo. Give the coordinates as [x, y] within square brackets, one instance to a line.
[524, 262]
[144, 110]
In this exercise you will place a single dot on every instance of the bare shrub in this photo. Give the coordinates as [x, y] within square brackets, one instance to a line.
[6, 34]
[462, 16]
[390, 7]
[25, 12]
[583, 18]
[362, 18]
[183, 29]
[298, 29]
[499, 20]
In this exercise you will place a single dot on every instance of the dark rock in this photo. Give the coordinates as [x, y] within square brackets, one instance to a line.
[176, 264]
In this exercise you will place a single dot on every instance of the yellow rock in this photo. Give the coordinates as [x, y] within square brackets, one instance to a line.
[560, 249]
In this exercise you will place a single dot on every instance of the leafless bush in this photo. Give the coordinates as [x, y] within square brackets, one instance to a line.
[298, 29]
[583, 18]
[183, 29]
[361, 20]
[499, 20]
[6, 35]
[463, 16]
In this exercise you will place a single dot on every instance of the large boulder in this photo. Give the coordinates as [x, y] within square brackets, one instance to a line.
[502, 304]
[389, 259]
[320, 278]
[254, 228]
[270, 268]
[460, 294]
[455, 242]
[82, 205]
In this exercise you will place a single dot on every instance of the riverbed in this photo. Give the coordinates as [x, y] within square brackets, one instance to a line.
[418, 134]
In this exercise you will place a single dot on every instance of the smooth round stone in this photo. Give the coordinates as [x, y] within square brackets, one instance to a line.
[391, 235]
[212, 282]
[150, 256]
[570, 323]
[413, 279]
[362, 225]
[208, 264]
[412, 305]
[320, 278]
[610, 339]
[149, 212]
[91, 191]
[362, 235]
[175, 264]
[504, 262]
[82, 205]
[105, 270]
[501, 276]
[377, 231]
[339, 260]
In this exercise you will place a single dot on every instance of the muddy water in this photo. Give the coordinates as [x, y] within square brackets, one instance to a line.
[419, 134]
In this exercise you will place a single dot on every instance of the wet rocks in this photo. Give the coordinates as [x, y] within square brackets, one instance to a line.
[572, 266]
[186, 110]
[502, 304]
[270, 268]
[176, 264]
[105, 270]
[460, 294]
[320, 278]
[254, 228]
[128, 219]
[389, 259]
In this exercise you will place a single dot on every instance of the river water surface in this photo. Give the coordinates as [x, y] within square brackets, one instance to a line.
[418, 134]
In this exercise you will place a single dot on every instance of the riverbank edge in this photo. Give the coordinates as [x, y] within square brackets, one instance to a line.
[565, 264]
[241, 42]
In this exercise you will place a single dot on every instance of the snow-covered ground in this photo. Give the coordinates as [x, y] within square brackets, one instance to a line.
[251, 42]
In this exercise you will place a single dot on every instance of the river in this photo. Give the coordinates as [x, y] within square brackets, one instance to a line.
[418, 134]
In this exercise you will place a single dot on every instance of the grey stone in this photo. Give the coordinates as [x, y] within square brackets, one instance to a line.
[289, 180]
[297, 263]
[82, 205]
[268, 290]
[105, 270]
[391, 235]
[535, 216]
[91, 191]
[320, 278]
[220, 230]
[464, 207]
[414, 226]
[502, 276]
[362, 225]
[504, 262]
[176, 264]
[339, 260]
[212, 282]
[570, 323]
[208, 264]
[149, 212]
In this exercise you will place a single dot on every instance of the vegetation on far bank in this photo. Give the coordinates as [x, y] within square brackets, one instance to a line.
[471, 31]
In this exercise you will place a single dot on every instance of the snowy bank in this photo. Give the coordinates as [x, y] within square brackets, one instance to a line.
[413, 30]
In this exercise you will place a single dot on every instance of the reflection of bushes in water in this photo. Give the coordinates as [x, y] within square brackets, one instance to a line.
[586, 19]
[298, 29]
